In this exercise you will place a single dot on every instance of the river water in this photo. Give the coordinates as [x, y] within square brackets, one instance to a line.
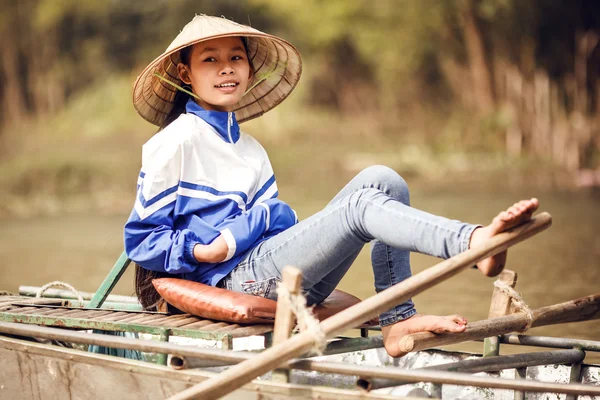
[557, 265]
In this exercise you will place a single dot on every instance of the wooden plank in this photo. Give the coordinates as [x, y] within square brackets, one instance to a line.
[41, 311]
[179, 323]
[251, 330]
[310, 365]
[137, 318]
[113, 314]
[500, 305]
[130, 318]
[284, 316]
[228, 328]
[19, 310]
[57, 312]
[105, 377]
[152, 317]
[199, 324]
[91, 314]
[165, 320]
[214, 326]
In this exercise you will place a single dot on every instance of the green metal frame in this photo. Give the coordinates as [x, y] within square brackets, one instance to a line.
[110, 281]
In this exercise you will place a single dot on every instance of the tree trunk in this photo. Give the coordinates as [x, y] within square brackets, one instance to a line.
[483, 90]
[14, 105]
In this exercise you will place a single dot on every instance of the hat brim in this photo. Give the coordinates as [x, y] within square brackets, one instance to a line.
[272, 58]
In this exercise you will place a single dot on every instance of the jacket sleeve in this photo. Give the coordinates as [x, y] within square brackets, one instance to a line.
[281, 215]
[243, 230]
[149, 237]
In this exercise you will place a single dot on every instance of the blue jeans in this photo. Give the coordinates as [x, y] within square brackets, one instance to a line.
[374, 207]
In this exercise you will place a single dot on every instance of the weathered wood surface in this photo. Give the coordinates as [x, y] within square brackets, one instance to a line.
[34, 311]
[499, 306]
[34, 371]
[284, 316]
[33, 351]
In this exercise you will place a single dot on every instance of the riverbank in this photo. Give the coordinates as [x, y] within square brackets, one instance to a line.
[79, 161]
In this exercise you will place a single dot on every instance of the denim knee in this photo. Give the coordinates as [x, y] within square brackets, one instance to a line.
[387, 180]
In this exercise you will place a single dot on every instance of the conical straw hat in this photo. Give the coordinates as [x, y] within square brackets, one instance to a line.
[273, 58]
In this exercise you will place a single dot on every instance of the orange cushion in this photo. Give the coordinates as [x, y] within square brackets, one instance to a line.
[224, 305]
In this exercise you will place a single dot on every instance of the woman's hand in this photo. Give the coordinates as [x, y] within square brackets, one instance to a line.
[211, 253]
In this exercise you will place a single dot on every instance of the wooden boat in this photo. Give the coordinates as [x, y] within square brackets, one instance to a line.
[350, 367]
[33, 370]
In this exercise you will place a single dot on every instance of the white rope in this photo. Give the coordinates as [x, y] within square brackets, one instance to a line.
[306, 319]
[517, 301]
[59, 284]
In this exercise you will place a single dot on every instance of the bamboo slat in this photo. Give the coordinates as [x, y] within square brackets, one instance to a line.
[113, 317]
[179, 322]
[151, 317]
[91, 314]
[228, 328]
[199, 324]
[42, 311]
[19, 310]
[252, 330]
[166, 320]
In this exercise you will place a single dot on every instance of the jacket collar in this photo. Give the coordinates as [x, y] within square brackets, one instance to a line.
[219, 120]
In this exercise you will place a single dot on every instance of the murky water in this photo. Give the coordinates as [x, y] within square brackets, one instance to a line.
[559, 264]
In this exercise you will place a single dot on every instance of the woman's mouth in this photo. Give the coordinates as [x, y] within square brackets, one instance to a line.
[227, 87]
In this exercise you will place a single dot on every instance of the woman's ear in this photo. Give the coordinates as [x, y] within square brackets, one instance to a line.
[184, 73]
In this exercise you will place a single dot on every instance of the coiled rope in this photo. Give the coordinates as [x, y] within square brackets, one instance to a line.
[517, 302]
[305, 317]
[59, 284]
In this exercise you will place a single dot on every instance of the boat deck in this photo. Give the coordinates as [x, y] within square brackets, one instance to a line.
[56, 312]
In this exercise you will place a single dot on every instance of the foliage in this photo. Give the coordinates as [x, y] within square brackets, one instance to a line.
[510, 77]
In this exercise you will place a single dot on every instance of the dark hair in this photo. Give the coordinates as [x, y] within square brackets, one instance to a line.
[144, 289]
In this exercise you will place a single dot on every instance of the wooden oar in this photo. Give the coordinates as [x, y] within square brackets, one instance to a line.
[233, 378]
[583, 309]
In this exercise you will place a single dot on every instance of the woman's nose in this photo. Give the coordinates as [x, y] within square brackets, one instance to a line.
[226, 70]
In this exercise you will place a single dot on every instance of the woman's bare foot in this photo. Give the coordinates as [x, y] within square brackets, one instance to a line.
[513, 216]
[419, 323]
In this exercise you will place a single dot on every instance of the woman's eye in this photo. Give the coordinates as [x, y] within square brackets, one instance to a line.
[210, 59]
[235, 58]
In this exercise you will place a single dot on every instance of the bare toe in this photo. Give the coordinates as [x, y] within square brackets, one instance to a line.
[514, 215]
[450, 323]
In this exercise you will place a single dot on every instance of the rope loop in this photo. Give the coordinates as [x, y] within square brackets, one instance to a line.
[305, 317]
[59, 284]
[517, 301]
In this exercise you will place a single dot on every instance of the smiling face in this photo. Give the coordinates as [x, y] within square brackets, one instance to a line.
[218, 71]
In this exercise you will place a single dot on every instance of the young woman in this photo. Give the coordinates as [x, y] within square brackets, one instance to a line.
[207, 207]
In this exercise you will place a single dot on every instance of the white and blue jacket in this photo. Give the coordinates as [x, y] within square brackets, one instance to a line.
[200, 178]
